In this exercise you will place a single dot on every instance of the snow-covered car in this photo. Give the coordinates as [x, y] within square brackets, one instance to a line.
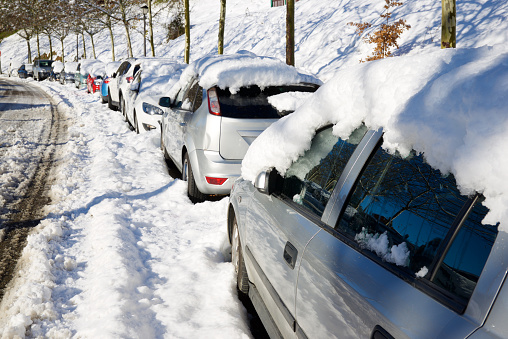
[95, 77]
[56, 70]
[375, 209]
[68, 72]
[218, 110]
[110, 68]
[155, 77]
[42, 69]
[83, 69]
[116, 80]
[25, 71]
[13, 68]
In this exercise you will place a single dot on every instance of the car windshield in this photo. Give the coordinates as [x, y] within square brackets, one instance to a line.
[253, 102]
[45, 63]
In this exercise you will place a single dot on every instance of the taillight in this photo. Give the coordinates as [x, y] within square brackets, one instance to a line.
[213, 102]
[215, 181]
[129, 79]
[107, 80]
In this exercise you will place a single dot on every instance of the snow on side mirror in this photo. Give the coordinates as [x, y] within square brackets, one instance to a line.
[134, 86]
[269, 182]
[165, 102]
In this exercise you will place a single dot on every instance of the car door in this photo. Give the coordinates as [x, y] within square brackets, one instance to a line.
[114, 83]
[176, 120]
[279, 227]
[401, 259]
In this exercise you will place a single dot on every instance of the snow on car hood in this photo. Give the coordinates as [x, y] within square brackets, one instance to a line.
[449, 105]
[241, 69]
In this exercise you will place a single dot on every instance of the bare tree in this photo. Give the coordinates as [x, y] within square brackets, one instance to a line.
[290, 32]
[187, 31]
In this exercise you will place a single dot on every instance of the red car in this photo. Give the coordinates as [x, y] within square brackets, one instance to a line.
[93, 83]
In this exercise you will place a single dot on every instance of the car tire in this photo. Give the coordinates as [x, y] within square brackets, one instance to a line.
[110, 102]
[122, 109]
[136, 126]
[187, 175]
[242, 279]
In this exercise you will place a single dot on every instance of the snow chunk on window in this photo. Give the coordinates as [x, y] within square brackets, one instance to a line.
[422, 272]
[378, 243]
[289, 101]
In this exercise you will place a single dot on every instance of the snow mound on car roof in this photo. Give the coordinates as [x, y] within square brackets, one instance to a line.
[57, 66]
[87, 65]
[159, 75]
[242, 69]
[451, 105]
[71, 67]
[112, 67]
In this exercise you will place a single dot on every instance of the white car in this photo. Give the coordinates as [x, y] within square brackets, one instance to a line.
[13, 68]
[140, 101]
[116, 80]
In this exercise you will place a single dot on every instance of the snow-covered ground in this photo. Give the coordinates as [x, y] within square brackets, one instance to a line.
[123, 252]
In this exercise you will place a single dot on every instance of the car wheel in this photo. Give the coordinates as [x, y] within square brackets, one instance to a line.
[242, 279]
[122, 109]
[110, 102]
[192, 190]
[136, 126]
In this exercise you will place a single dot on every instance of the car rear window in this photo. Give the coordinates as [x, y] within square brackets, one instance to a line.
[45, 63]
[252, 102]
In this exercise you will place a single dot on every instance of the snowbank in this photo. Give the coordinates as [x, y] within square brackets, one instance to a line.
[449, 105]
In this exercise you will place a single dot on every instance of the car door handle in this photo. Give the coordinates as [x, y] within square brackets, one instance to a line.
[290, 254]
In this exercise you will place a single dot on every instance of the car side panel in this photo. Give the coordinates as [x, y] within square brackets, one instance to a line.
[275, 234]
[343, 293]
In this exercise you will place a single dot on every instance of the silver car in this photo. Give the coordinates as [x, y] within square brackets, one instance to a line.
[206, 131]
[355, 242]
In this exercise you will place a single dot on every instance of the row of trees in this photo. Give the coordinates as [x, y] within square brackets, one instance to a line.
[62, 18]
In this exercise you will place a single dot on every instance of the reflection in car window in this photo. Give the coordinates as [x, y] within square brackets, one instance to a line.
[252, 102]
[467, 255]
[402, 210]
[311, 179]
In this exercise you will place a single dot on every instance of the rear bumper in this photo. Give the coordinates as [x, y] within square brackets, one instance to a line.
[211, 164]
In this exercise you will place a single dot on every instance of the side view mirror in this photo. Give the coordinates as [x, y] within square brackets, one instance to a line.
[114, 75]
[165, 102]
[269, 182]
[134, 87]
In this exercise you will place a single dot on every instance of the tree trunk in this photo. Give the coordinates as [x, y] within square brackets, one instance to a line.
[187, 32]
[29, 51]
[150, 27]
[222, 23]
[63, 49]
[50, 47]
[93, 46]
[448, 24]
[84, 46]
[127, 34]
[112, 40]
[290, 32]
[38, 47]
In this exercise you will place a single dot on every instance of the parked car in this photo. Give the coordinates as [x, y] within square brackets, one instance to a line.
[56, 70]
[155, 77]
[218, 111]
[116, 81]
[41, 69]
[13, 68]
[95, 77]
[25, 71]
[110, 68]
[68, 73]
[346, 232]
[82, 71]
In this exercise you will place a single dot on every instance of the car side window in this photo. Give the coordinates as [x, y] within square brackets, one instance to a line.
[190, 96]
[311, 179]
[403, 212]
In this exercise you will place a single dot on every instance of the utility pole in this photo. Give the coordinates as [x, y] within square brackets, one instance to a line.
[290, 32]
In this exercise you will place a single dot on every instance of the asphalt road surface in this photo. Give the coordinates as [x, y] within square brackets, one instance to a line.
[31, 131]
